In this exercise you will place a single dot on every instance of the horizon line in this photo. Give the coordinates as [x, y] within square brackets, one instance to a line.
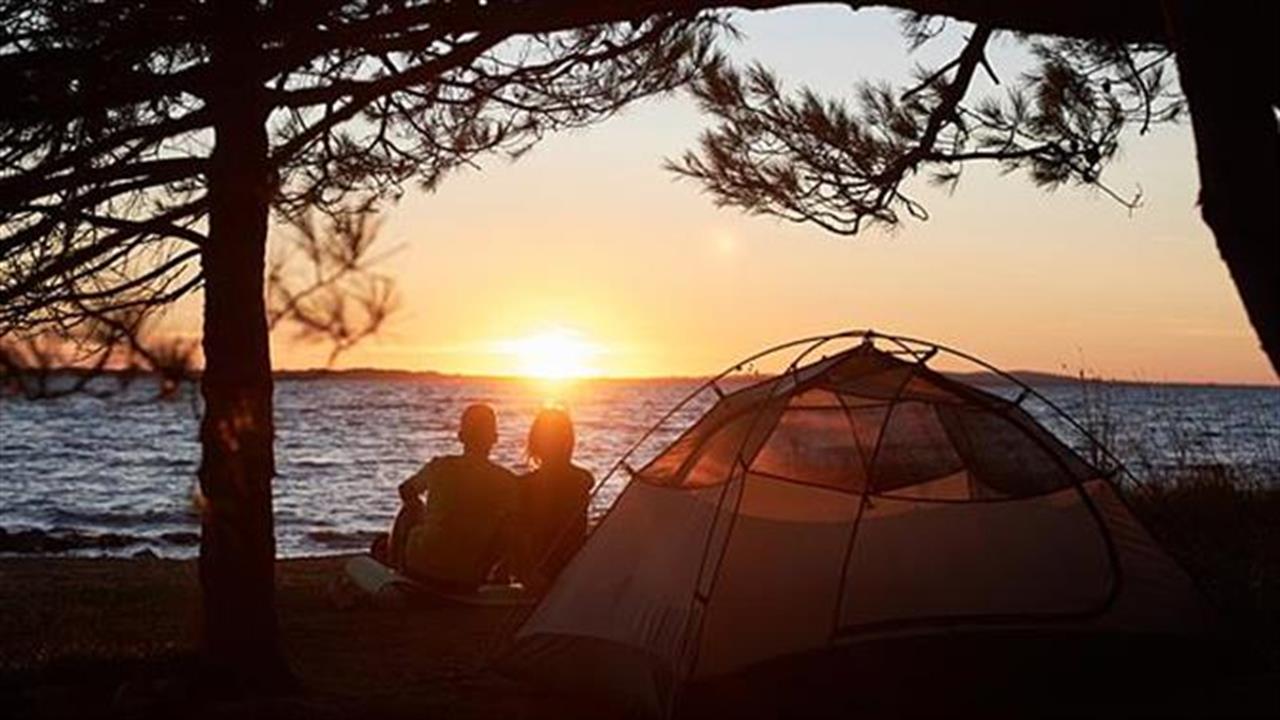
[1025, 375]
[1022, 374]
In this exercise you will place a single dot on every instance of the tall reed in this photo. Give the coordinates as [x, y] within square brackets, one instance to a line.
[1220, 520]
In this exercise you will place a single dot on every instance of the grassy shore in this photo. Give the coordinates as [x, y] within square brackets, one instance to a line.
[1225, 531]
[89, 638]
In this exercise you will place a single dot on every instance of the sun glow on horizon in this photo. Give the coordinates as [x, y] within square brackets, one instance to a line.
[556, 354]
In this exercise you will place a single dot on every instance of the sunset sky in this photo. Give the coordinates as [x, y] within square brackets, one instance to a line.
[587, 241]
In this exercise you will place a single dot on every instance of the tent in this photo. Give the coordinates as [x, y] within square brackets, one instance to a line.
[859, 497]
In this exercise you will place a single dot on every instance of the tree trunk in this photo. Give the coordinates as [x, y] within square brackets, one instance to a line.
[1227, 63]
[237, 546]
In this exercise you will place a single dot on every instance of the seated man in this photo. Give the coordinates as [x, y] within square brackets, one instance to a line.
[455, 538]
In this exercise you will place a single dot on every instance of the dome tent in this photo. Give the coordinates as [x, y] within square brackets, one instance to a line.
[860, 497]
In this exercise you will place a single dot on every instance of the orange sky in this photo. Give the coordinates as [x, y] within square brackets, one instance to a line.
[588, 235]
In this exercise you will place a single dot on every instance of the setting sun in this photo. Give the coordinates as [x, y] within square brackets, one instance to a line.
[554, 354]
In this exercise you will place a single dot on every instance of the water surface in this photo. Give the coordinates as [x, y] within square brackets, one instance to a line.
[124, 466]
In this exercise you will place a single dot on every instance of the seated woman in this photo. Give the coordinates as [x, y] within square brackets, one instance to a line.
[552, 510]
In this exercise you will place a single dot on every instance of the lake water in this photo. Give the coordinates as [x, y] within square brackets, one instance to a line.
[116, 475]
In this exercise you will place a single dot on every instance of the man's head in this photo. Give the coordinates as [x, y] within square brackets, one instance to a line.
[479, 429]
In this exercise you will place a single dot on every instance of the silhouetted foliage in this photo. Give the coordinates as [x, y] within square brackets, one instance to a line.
[144, 145]
[323, 282]
[1100, 71]
[320, 280]
[106, 129]
[809, 159]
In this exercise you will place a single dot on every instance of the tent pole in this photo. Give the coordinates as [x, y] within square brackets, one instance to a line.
[867, 489]
[740, 466]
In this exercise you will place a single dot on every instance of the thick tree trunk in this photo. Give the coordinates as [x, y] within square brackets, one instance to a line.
[1227, 63]
[237, 548]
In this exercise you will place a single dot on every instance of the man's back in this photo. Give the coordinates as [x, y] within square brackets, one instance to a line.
[469, 499]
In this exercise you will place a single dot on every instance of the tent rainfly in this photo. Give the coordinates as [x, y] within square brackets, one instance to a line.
[859, 497]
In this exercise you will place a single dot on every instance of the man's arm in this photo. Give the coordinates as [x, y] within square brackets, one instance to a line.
[411, 490]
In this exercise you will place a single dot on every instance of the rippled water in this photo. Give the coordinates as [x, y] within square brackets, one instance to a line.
[124, 467]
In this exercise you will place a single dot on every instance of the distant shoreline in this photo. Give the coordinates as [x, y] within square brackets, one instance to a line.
[1029, 377]
[1034, 378]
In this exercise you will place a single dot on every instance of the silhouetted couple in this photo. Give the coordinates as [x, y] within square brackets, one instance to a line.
[480, 520]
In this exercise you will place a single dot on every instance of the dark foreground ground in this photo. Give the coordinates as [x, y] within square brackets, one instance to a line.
[103, 637]
[106, 638]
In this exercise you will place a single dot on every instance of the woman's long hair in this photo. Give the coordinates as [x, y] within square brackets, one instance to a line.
[551, 438]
